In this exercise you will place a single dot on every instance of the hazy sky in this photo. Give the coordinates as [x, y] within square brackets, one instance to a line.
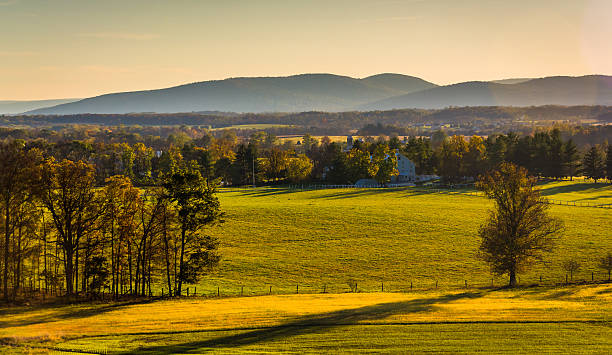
[80, 48]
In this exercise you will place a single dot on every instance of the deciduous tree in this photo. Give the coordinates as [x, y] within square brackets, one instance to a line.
[519, 229]
[16, 172]
[67, 191]
[197, 207]
[606, 264]
[571, 266]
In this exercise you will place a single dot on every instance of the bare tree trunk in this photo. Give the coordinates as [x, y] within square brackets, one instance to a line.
[76, 271]
[175, 250]
[181, 269]
[69, 271]
[512, 277]
[17, 268]
[7, 233]
[55, 267]
[130, 265]
[167, 253]
[144, 272]
[45, 251]
[85, 265]
[149, 274]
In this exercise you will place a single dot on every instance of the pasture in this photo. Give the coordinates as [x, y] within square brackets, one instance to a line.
[390, 238]
[494, 321]
[409, 252]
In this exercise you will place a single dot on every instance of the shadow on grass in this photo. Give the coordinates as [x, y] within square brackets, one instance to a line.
[578, 187]
[65, 312]
[267, 191]
[308, 325]
[354, 193]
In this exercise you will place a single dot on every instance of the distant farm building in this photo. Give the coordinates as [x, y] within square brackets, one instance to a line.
[405, 169]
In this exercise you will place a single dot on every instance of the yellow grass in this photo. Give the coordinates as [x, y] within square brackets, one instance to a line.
[578, 303]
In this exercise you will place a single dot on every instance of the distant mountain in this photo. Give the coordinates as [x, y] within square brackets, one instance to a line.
[306, 92]
[398, 82]
[559, 90]
[511, 81]
[13, 107]
[327, 92]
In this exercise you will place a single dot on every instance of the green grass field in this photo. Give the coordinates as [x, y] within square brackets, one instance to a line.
[376, 238]
[280, 238]
[579, 192]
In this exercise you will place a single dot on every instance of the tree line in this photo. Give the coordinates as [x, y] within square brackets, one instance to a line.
[64, 233]
[476, 120]
[262, 158]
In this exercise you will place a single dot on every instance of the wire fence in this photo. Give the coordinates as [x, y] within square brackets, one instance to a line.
[352, 286]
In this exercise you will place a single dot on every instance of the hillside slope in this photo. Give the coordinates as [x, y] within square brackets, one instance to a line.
[561, 90]
[306, 92]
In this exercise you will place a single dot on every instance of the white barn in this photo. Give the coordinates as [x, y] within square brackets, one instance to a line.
[405, 169]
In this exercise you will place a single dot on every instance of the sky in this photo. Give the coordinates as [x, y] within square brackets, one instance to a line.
[53, 49]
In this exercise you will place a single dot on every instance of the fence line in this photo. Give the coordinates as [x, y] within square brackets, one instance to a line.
[335, 288]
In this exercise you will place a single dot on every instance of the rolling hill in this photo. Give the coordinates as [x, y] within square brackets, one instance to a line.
[561, 90]
[306, 92]
[332, 93]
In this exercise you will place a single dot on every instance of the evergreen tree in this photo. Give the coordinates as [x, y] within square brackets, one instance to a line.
[541, 159]
[419, 151]
[571, 159]
[246, 165]
[555, 155]
[592, 164]
[522, 154]
[609, 163]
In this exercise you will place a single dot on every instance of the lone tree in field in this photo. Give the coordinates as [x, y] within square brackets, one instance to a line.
[571, 266]
[606, 264]
[519, 230]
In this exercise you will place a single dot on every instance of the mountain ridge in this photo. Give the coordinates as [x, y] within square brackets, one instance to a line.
[554, 90]
[302, 92]
[334, 93]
